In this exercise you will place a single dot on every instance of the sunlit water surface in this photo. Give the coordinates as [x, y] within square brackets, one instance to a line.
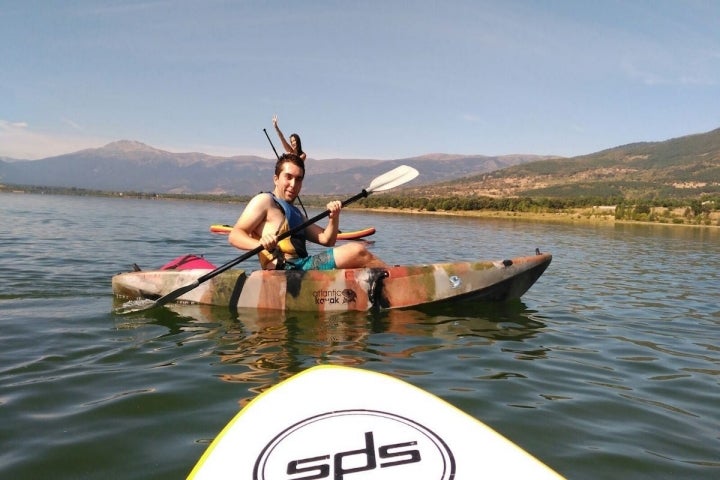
[607, 368]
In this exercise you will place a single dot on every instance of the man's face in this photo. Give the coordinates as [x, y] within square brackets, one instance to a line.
[289, 183]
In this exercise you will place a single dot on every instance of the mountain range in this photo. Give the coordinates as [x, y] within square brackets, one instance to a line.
[683, 167]
[686, 167]
[128, 165]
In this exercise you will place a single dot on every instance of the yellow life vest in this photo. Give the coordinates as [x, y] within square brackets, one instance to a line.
[290, 247]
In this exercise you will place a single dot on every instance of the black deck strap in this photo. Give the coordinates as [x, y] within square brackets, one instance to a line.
[375, 291]
[293, 282]
[237, 290]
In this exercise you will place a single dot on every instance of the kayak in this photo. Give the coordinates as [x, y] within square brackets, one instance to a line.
[345, 422]
[354, 235]
[359, 289]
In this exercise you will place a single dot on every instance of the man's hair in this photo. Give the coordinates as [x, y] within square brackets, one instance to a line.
[289, 158]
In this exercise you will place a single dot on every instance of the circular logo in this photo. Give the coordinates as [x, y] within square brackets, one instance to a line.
[355, 445]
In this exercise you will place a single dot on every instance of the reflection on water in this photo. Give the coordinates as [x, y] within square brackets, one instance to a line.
[262, 347]
[608, 368]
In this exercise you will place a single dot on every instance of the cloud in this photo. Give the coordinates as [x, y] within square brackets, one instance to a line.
[655, 65]
[18, 140]
[74, 125]
[5, 125]
[21, 142]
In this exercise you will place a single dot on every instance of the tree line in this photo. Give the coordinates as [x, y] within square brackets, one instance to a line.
[529, 204]
[696, 210]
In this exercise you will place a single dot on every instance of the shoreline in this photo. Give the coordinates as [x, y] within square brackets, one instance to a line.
[587, 216]
[579, 216]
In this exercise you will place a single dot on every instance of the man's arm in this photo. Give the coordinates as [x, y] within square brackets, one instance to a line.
[327, 236]
[247, 231]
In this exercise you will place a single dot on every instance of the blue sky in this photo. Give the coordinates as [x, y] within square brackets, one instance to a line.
[356, 79]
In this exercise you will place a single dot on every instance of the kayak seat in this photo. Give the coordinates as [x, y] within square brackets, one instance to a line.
[188, 262]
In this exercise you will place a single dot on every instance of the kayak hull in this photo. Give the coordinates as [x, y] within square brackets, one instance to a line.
[358, 289]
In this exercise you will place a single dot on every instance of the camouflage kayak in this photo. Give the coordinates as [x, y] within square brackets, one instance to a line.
[340, 290]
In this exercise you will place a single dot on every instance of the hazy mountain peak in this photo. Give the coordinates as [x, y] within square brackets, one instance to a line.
[129, 146]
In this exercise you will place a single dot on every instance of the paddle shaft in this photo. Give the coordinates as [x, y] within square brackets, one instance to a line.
[282, 236]
[271, 144]
[278, 157]
[180, 291]
[394, 178]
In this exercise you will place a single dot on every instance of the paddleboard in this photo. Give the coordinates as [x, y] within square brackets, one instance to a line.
[346, 423]
[354, 235]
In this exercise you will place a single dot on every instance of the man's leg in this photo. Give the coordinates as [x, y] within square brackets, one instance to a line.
[356, 255]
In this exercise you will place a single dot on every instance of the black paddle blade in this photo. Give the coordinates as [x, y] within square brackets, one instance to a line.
[138, 305]
[133, 306]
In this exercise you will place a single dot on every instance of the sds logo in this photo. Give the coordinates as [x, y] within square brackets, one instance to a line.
[355, 445]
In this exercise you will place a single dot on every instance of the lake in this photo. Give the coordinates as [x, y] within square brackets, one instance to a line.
[608, 367]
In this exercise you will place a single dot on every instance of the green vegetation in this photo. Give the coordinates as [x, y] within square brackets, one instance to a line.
[683, 169]
[702, 211]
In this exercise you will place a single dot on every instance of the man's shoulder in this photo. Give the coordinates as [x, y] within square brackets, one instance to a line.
[263, 197]
[261, 201]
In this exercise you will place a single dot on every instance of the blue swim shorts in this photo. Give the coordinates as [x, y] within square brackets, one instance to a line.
[321, 261]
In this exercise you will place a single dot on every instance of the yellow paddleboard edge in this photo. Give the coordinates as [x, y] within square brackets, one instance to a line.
[340, 422]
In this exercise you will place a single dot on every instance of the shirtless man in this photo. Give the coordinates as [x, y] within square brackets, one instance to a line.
[269, 215]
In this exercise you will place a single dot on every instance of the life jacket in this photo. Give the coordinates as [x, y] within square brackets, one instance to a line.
[293, 246]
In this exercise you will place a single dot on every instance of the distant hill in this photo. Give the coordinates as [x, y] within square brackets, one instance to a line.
[681, 168]
[128, 165]
[133, 166]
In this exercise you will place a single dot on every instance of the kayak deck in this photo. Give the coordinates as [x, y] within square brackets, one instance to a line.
[358, 289]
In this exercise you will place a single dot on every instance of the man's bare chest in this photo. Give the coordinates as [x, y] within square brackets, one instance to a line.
[273, 220]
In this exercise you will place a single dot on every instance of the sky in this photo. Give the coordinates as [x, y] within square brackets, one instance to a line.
[381, 79]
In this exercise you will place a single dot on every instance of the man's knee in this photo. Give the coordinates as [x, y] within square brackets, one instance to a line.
[356, 249]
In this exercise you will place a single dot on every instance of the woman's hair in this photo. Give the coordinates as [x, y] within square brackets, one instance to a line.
[298, 142]
[289, 158]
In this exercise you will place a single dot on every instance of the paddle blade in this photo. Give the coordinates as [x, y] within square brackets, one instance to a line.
[394, 178]
[139, 305]
[132, 306]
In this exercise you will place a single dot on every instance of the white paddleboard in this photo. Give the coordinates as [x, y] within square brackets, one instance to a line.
[345, 423]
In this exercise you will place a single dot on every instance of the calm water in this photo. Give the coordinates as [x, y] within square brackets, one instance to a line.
[608, 367]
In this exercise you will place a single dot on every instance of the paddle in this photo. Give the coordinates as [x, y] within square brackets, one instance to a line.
[393, 178]
[278, 157]
[271, 144]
